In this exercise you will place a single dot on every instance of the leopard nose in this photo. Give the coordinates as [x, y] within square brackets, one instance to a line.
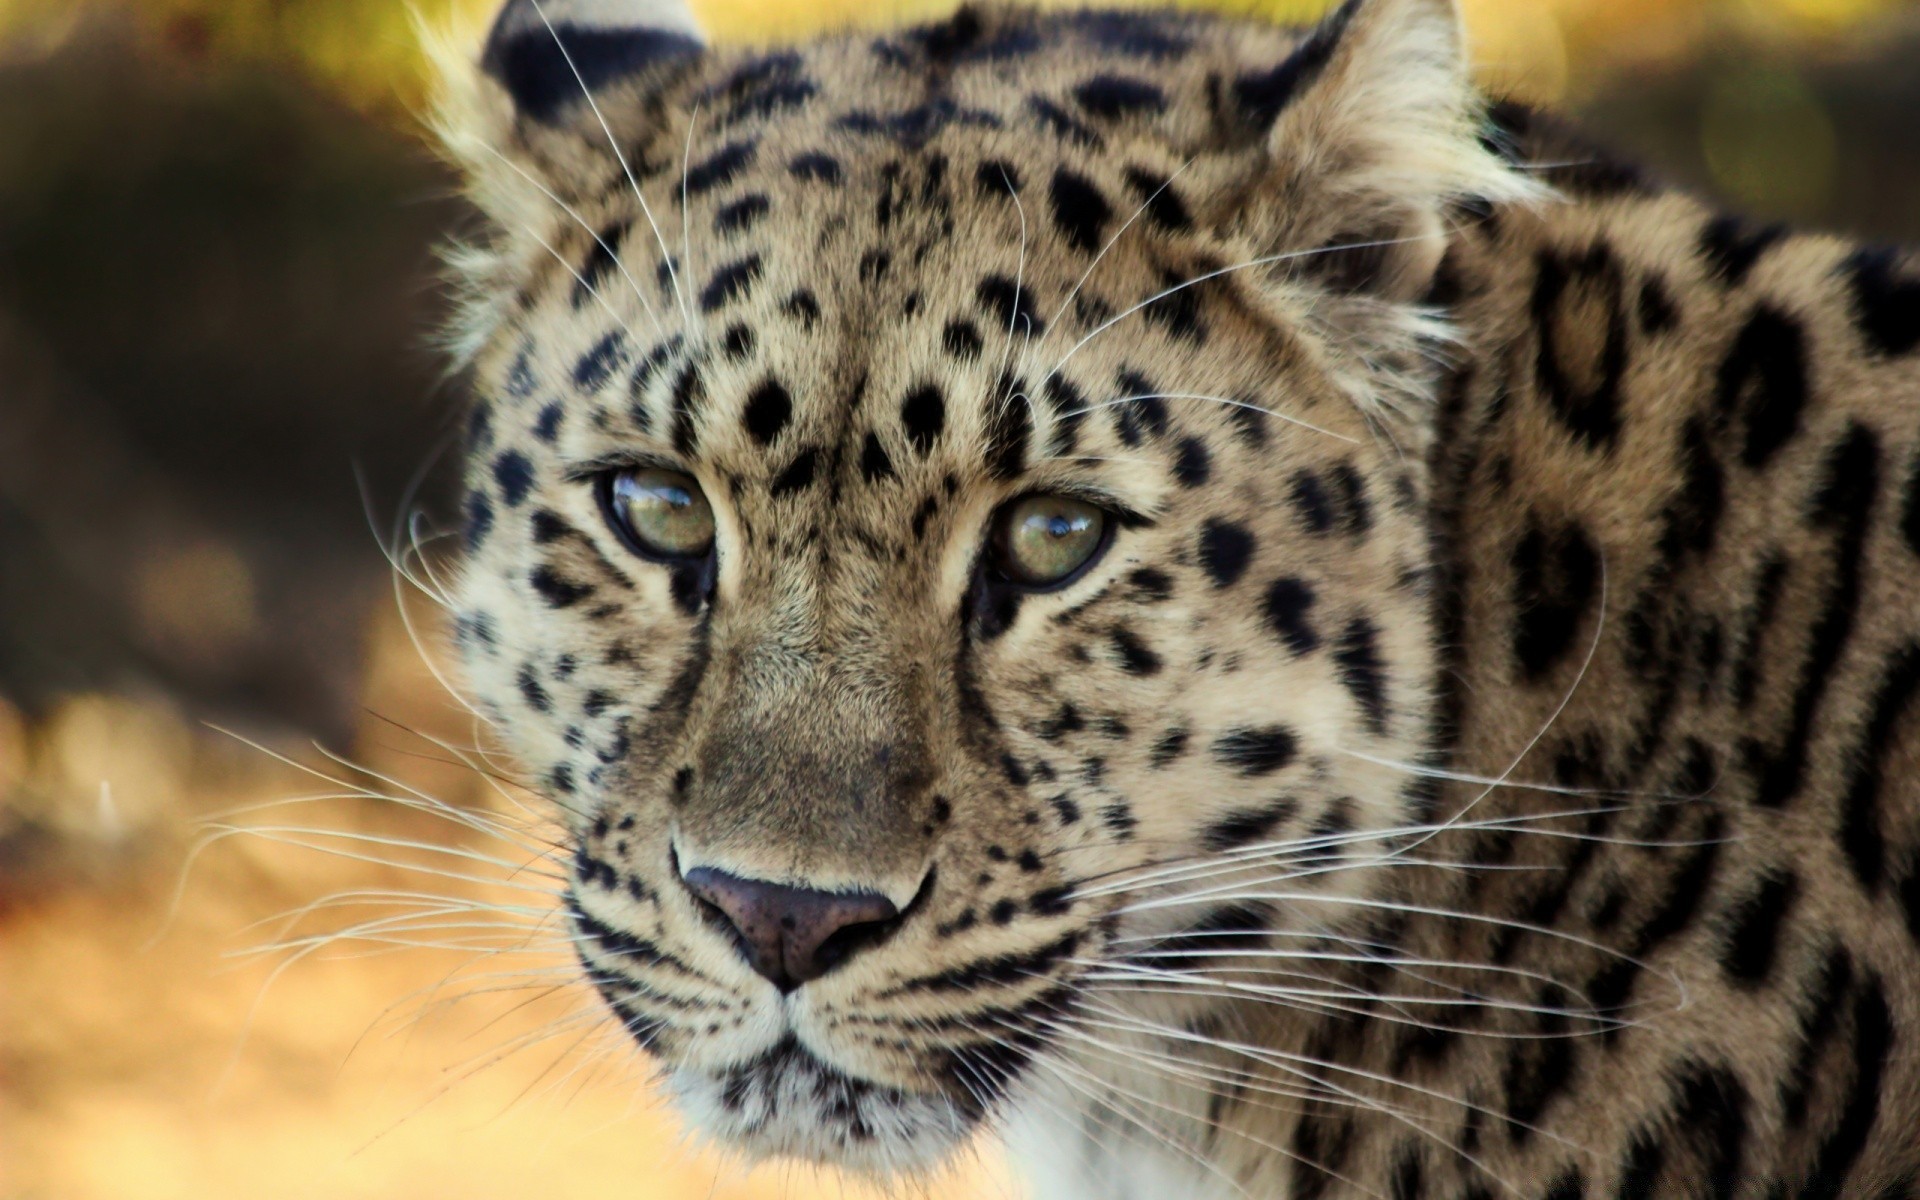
[792, 935]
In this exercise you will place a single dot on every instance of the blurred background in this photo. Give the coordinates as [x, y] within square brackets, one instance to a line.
[218, 388]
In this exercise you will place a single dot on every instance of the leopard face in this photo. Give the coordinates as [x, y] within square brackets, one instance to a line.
[946, 523]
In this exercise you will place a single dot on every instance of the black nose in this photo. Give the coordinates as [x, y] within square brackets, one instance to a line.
[789, 934]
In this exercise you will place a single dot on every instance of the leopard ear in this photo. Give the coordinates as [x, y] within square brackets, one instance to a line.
[550, 55]
[1371, 127]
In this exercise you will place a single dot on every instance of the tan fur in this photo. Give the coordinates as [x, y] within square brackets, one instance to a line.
[1386, 812]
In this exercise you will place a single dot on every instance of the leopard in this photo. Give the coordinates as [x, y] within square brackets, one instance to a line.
[1198, 598]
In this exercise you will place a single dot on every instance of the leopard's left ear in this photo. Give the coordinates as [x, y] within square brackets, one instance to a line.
[1371, 127]
[551, 55]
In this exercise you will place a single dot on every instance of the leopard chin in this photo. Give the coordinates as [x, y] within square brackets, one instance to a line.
[790, 1103]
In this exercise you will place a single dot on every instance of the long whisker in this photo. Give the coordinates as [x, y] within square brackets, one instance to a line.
[613, 144]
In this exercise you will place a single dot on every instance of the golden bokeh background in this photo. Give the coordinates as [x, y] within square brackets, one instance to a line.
[216, 296]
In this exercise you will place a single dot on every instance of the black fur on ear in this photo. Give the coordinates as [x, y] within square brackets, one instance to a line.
[551, 54]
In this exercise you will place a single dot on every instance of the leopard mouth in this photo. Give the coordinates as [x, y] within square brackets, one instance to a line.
[789, 1103]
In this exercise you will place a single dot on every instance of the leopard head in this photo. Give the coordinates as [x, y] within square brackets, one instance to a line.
[946, 522]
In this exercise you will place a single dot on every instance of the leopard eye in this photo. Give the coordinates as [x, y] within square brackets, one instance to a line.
[660, 514]
[1042, 542]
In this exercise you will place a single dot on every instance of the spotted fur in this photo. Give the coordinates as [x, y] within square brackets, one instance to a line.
[1486, 761]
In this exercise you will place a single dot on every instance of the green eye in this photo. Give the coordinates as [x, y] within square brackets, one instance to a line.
[661, 514]
[1043, 541]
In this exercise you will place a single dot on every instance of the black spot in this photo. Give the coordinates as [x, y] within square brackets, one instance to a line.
[479, 519]
[544, 69]
[1225, 551]
[1539, 1069]
[1150, 585]
[1064, 124]
[721, 167]
[997, 177]
[767, 411]
[480, 428]
[1356, 511]
[1357, 655]
[802, 307]
[739, 341]
[1710, 1111]
[1555, 575]
[1692, 519]
[1176, 307]
[1114, 96]
[819, 168]
[1910, 519]
[761, 87]
[1257, 751]
[689, 394]
[531, 691]
[874, 463]
[741, 215]
[1753, 928]
[602, 261]
[1586, 397]
[962, 340]
[1249, 423]
[730, 283]
[1080, 210]
[598, 364]
[1171, 745]
[1246, 826]
[1069, 406]
[1764, 382]
[1731, 248]
[1910, 900]
[1844, 503]
[1686, 889]
[1873, 1040]
[1263, 95]
[1860, 827]
[1570, 1184]
[874, 265]
[1288, 608]
[514, 474]
[1162, 203]
[1009, 429]
[797, 477]
[1010, 304]
[924, 414]
[1886, 307]
[1819, 1021]
[1136, 658]
[1657, 313]
[558, 592]
[1757, 619]
[1310, 500]
[1139, 411]
[1192, 465]
[1409, 1177]
[1135, 34]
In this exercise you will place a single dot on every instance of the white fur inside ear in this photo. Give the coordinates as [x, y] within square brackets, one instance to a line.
[1395, 112]
[667, 16]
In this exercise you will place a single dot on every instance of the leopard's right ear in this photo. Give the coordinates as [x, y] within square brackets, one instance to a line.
[551, 56]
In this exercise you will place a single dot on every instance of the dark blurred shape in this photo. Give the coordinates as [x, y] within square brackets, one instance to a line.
[216, 300]
[1829, 139]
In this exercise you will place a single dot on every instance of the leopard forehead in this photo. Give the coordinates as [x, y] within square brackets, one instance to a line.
[932, 221]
